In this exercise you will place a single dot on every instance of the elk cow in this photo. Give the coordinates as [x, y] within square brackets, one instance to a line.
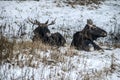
[43, 33]
[91, 32]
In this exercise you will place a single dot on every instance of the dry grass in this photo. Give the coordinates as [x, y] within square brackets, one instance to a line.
[116, 45]
[11, 51]
[84, 2]
[31, 51]
[87, 2]
[32, 45]
[6, 48]
[70, 52]
[57, 56]
[29, 54]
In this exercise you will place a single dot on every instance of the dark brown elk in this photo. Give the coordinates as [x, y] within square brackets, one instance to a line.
[43, 33]
[91, 32]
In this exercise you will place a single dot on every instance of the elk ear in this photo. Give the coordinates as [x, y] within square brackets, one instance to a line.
[47, 21]
[89, 21]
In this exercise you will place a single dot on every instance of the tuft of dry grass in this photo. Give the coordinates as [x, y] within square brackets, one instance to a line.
[71, 52]
[116, 45]
[57, 56]
[6, 48]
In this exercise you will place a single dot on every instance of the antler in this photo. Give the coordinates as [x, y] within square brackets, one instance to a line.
[30, 21]
[47, 21]
[35, 22]
[53, 22]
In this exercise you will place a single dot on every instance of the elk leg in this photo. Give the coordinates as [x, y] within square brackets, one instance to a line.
[96, 47]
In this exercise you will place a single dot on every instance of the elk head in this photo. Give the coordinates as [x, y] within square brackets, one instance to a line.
[42, 29]
[93, 32]
[96, 31]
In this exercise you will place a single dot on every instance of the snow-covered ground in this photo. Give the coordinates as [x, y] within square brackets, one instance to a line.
[68, 19]
[63, 63]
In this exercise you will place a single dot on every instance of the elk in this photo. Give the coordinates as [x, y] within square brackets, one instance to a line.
[91, 32]
[43, 33]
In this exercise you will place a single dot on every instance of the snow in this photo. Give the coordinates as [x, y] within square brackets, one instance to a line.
[74, 68]
[65, 63]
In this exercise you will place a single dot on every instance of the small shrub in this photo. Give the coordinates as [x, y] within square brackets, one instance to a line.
[115, 39]
[114, 35]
